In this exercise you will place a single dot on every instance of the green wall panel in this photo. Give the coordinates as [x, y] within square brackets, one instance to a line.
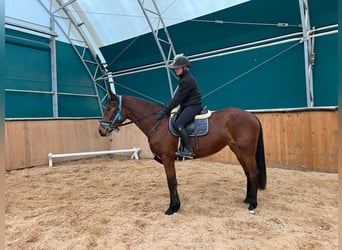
[28, 105]
[238, 80]
[149, 84]
[127, 54]
[28, 68]
[72, 76]
[27, 65]
[250, 81]
[325, 71]
[78, 106]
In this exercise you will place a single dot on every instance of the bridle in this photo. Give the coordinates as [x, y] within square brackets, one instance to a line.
[117, 116]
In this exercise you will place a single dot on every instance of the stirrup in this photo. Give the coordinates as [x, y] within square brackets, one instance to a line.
[185, 154]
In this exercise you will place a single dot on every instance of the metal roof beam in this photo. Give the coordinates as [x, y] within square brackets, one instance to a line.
[88, 24]
[63, 6]
[155, 26]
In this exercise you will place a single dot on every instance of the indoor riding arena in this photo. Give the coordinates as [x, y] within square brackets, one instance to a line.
[68, 187]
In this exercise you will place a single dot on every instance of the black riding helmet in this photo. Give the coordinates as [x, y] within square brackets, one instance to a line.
[179, 61]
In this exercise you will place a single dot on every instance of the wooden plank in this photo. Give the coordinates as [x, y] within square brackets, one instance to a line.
[14, 138]
[324, 135]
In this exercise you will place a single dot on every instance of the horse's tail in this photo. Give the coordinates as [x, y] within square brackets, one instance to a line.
[260, 159]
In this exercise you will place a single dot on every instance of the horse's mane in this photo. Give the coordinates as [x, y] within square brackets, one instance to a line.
[147, 104]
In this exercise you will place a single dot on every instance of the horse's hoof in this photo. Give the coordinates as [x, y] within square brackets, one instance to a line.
[172, 210]
[251, 211]
[169, 212]
[251, 208]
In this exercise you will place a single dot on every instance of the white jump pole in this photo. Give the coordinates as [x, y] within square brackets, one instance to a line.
[134, 155]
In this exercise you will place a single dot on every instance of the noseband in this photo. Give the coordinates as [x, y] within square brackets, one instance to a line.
[116, 117]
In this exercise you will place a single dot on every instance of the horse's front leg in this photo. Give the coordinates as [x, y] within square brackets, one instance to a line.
[169, 166]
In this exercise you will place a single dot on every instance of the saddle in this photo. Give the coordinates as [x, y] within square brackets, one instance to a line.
[199, 127]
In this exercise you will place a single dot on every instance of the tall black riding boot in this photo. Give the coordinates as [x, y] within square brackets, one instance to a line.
[187, 151]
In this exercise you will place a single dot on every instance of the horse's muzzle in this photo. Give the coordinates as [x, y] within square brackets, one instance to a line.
[105, 131]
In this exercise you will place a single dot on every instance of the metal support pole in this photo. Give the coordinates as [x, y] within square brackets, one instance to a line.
[52, 44]
[309, 55]
[155, 31]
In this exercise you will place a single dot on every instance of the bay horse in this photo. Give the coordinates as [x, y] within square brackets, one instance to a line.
[239, 129]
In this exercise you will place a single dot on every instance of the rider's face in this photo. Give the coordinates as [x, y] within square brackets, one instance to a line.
[179, 71]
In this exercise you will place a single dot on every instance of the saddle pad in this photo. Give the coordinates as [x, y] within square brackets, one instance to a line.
[197, 117]
[201, 128]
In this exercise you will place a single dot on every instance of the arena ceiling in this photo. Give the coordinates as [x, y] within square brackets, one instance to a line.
[110, 21]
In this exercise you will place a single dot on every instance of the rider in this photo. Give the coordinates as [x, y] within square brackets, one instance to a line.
[189, 99]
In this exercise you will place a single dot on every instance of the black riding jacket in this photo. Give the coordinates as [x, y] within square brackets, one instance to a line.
[187, 93]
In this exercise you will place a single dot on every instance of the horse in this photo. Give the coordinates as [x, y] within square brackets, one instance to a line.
[233, 127]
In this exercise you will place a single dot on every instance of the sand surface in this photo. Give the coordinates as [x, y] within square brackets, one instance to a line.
[111, 203]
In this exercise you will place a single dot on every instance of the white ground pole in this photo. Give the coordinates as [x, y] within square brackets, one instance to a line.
[135, 155]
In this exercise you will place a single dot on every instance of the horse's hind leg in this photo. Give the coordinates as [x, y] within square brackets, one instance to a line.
[248, 192]
[249, 166]
[169, 165]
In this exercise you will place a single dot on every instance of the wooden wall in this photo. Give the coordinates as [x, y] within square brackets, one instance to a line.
[28, 143]
[304, 140]
[307, 140]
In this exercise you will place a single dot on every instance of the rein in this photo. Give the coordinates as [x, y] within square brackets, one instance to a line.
[135, 120]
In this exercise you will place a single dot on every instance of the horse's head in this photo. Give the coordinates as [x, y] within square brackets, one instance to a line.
[112, 116]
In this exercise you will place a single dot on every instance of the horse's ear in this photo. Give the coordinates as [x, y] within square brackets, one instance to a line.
[111, 94]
